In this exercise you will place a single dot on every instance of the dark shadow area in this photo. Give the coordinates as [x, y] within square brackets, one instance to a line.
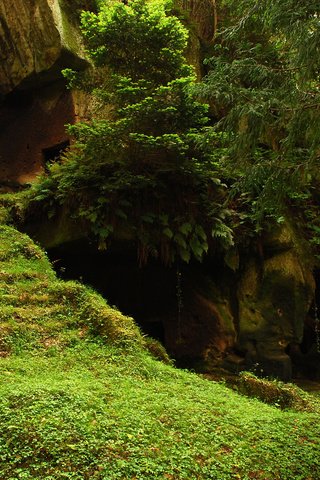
[146, 293]
[53, 153]
[32, 130]
[306, 356]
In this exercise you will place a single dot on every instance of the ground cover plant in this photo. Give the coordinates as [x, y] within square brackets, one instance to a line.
[81, 397]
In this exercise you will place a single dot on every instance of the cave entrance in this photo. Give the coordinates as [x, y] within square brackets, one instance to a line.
[148, 293]
[53, 153]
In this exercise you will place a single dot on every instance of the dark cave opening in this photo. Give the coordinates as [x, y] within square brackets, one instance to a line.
[146, 293]
[183, 306]
[53, 153]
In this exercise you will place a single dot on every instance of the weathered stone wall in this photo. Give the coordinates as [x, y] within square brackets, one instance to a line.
[29, 41]
[275, 294]
[36, 41]
[30, 124]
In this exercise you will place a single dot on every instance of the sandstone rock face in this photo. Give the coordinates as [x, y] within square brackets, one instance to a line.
[35, 37]
[32, 130]
[274, 295]
[204, 329]
[30, 41]
[38, 38]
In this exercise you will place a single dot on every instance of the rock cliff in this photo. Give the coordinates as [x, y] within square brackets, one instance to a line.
[255, 316]
[36, 41]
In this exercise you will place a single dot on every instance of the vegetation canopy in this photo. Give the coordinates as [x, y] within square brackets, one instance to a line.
[263, 86]
[144, 169]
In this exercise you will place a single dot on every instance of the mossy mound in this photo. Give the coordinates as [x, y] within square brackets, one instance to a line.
[277, 393]
[38, 311]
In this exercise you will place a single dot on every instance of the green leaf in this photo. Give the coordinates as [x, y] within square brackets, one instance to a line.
[167, 232]
[185, 228]
[180, 240]
[184, 254]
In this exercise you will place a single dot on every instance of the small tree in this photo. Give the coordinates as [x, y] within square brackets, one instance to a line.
[145, 170]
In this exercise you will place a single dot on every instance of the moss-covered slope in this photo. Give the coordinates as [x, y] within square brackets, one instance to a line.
[38, 311]
[80, 397]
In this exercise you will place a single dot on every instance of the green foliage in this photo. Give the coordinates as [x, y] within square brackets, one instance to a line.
[98, 412]
[157, 350]
[137, 41]
[81, 398]
[146, 171]
[12, 206]
[263, 85]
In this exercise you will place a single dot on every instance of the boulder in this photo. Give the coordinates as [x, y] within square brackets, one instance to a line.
[36, 41]
[274, 295]
[203, 331]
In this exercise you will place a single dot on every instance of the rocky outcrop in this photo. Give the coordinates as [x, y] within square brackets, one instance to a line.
[36, 41]
[38, 38]
[33, 131]
[275, 294]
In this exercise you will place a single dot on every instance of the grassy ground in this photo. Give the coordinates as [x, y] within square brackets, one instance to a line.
[81, 398]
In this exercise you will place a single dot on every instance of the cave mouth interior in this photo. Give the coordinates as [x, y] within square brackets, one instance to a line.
[149, 294]
[54, 152]
[145, 293]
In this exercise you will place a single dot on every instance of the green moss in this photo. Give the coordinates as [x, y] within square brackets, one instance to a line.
[274, 392]
[37, 306]
[157, 350]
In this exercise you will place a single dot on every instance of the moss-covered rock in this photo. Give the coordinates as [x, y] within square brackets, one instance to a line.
[274, 294]
[277, 393]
